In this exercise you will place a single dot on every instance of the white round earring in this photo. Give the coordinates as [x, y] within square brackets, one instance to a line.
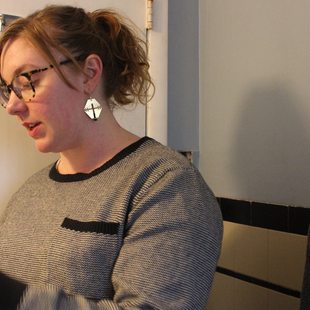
[92, 108]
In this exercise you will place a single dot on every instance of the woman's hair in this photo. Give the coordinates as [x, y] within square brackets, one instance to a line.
[77, 34]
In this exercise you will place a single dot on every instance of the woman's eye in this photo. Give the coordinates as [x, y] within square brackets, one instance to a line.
[21, 82]
[34, 82]
[26, 86]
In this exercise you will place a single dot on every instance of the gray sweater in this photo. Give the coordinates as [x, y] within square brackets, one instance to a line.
[141, 232]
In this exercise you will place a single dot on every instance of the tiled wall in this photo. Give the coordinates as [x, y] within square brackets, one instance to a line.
[263, 257]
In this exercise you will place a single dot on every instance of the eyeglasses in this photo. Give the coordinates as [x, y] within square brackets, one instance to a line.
[22, 85]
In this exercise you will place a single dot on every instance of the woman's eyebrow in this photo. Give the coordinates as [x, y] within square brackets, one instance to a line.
[21, 69]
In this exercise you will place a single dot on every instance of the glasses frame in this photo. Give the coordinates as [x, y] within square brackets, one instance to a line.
[18, 91]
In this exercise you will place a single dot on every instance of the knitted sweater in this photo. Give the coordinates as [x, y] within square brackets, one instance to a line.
[143, 231]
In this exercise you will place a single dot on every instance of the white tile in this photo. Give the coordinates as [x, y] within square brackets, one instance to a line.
[250, 297]
[286, 262]
[278, 301]
[222, 293]
[245, 250]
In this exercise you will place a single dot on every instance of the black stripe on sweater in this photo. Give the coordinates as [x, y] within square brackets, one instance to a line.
[92, 226]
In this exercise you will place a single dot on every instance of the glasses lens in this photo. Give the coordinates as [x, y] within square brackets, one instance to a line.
[4, 93]
[23, 88]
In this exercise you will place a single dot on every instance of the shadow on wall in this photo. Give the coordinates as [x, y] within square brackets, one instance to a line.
[271, 161]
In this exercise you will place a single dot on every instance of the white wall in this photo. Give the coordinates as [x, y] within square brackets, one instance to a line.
[183, 75]
[157, 110]
[255, 99]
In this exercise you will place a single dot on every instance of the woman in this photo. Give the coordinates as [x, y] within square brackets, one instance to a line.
[119, 221]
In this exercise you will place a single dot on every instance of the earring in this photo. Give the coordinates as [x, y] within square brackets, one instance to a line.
[92, 108]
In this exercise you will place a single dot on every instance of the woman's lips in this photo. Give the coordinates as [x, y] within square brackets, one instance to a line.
[32, 128]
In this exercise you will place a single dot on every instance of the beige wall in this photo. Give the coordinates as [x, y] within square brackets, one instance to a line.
[255, 99]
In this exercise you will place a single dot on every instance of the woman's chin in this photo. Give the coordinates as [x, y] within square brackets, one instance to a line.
[43, 146]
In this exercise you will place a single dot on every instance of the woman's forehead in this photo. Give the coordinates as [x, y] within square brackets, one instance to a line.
[15, 54]
[20, 54]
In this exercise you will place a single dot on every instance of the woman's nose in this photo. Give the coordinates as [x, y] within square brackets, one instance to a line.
[15, 105]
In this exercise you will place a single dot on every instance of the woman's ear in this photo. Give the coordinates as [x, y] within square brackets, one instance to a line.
[93, 68]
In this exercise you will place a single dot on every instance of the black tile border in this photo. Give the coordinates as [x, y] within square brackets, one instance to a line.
[289, 219]
[270, 216]
[238, 211]
[259, 282]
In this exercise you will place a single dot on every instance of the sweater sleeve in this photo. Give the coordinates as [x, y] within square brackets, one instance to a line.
[169, 253]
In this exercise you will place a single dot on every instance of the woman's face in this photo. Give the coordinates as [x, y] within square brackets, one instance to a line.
[54, 118]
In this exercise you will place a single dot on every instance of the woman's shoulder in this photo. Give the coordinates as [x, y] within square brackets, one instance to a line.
[151, 152]
[153, 161]
[40, 177]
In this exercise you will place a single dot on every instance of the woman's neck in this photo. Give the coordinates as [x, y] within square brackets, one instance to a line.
[96, 149]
